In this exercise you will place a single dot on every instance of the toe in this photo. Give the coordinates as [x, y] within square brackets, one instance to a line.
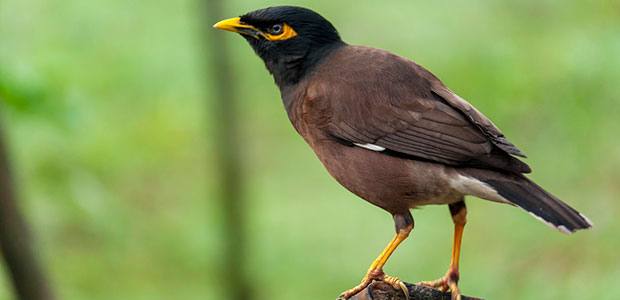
[350, 292]
[456, 295]
[439, 284]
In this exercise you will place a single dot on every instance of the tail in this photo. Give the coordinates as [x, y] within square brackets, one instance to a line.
[526, 194]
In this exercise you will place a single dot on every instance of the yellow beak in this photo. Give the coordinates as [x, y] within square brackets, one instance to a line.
[235, 25]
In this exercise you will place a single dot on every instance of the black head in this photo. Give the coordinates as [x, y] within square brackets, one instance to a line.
[291, 40]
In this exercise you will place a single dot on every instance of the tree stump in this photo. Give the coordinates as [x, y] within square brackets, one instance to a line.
[380, 290]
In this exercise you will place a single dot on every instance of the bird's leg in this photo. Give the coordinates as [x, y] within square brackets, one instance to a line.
[451, 279]
[404, 225]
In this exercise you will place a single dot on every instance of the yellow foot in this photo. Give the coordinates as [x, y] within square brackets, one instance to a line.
[379, 276]
[448, 282]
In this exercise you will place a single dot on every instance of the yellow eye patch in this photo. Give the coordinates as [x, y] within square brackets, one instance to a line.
[287, 33]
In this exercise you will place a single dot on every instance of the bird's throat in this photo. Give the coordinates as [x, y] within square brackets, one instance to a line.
[289, 69]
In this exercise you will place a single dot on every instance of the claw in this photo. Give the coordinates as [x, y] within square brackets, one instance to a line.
[378, 276]
[405, 289]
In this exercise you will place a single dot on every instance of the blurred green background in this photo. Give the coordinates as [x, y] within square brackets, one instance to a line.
[108, 112]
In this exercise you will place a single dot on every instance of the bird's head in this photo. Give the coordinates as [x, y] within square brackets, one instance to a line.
[291, 40]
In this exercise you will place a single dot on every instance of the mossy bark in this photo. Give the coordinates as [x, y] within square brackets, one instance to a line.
[380, 290]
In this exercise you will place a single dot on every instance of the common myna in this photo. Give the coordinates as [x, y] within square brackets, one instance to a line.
[391, 132]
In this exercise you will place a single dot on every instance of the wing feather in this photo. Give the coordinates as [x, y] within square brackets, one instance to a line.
[413, 114]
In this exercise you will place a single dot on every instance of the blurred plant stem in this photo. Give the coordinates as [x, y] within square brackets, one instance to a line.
[225, 123]
[15, 241]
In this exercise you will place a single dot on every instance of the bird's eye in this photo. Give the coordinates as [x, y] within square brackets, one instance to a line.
[276, 29]
[278, 32]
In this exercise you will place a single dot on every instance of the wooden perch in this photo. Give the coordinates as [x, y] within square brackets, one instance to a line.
[380, 290]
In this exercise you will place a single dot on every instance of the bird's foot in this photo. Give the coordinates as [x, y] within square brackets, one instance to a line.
[448, 282]
[379, 276]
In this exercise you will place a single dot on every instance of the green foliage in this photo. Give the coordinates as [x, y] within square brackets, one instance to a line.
[111, 142]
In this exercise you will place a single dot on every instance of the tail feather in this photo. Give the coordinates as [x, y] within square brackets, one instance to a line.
[539, 203]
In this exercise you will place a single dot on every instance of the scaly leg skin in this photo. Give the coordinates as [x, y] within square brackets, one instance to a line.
[404, 225]
[451, 279]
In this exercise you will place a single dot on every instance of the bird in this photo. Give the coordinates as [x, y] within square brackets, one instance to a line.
[391, 132]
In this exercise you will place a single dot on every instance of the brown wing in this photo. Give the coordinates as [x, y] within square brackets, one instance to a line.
[476, 117]
[378, 98]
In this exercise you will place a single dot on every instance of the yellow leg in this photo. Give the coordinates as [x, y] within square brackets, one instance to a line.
[451, 279]
[456, 247]
[375, 272]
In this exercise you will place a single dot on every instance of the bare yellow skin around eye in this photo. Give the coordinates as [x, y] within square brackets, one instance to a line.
[287, 33]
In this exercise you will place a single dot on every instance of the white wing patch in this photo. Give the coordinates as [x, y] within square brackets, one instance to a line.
[372, 147]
